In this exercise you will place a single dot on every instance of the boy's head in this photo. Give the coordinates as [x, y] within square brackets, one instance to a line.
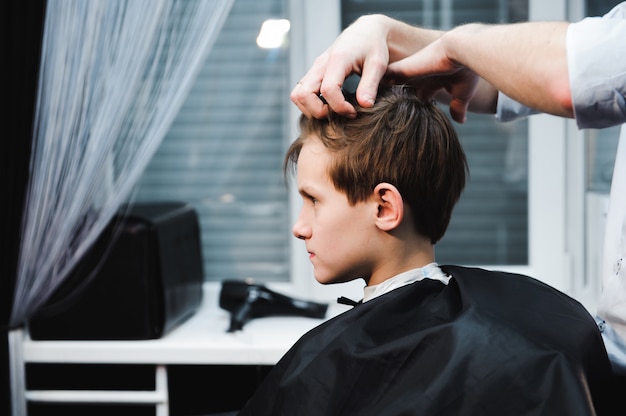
[401, 140]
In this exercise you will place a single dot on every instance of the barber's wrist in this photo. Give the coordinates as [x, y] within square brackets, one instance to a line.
[457, 41]
[404, 40]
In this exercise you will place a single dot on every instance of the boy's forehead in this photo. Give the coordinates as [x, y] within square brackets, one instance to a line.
[313, 158]
[314, 147]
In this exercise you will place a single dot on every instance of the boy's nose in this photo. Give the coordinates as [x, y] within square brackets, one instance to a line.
[300, 230]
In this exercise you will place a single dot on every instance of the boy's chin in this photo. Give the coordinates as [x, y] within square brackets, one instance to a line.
[332, 280]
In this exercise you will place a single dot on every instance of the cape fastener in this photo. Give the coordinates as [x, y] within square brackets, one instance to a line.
[347, 301]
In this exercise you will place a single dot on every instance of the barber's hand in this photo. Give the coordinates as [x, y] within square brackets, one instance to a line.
[431, 70]
[362, 49]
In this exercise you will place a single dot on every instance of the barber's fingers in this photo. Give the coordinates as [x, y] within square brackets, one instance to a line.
[308, 101]
[339, 67]
[305, 94]
[462, 86]
[328, 74]
[319, 91]
[458, 110]
[431, 66]
[371, 73]
[374, 68]
[330, 88]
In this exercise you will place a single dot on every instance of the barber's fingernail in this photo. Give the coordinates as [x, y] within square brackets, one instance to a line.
[368, 99]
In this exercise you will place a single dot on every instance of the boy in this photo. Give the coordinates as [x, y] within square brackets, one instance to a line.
[378, 192]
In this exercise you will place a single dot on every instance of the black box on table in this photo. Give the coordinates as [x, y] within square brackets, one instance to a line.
[140, 279]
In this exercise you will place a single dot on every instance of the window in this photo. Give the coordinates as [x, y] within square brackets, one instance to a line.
[224, 152]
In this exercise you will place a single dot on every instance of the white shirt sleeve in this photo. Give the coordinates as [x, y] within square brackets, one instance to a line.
[596, 60]
[508, 109]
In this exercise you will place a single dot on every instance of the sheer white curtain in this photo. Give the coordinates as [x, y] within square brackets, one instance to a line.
[113, 75]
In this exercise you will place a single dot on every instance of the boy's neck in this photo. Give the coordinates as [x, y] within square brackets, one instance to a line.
[402, 259]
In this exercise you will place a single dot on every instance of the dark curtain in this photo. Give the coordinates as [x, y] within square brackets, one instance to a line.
[20, 46]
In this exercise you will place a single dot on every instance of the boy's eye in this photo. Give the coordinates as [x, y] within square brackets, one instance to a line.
[310, 198]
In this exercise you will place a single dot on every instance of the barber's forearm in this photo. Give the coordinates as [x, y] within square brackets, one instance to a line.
[526, 61]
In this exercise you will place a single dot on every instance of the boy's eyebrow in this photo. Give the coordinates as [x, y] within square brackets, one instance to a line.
[303, 191]
[306, 190]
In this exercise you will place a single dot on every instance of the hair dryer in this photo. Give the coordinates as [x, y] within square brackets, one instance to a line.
[246, 301]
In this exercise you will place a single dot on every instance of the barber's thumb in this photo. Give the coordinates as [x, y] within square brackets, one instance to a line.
[366, 94]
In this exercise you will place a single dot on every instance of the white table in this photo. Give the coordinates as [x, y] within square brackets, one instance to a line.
[201, 340]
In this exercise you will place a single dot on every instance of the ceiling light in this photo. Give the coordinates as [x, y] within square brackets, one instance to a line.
[273, 33]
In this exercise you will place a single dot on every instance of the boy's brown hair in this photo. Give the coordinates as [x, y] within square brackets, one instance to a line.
[401, 140]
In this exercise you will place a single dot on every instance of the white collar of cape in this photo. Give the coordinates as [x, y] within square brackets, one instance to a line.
[430, 271]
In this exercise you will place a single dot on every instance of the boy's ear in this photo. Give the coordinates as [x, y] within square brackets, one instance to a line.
[390, 206]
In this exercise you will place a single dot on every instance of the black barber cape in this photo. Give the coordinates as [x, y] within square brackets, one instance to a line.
[488, 343]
